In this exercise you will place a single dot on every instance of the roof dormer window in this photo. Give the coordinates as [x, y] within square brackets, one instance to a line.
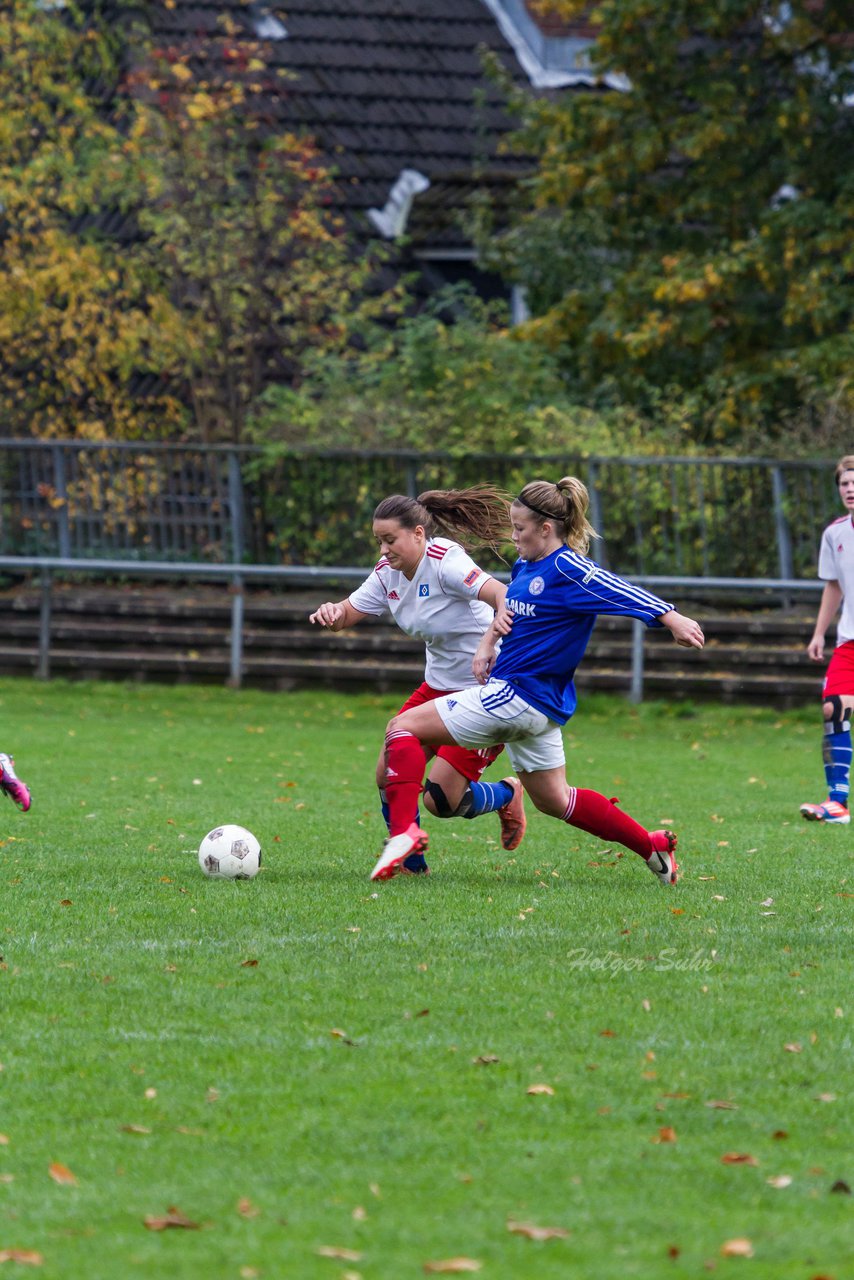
[551, 54]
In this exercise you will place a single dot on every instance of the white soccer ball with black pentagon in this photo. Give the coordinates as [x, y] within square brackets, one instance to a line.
[230, 853]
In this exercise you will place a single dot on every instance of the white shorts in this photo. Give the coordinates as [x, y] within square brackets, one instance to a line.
[485, 715]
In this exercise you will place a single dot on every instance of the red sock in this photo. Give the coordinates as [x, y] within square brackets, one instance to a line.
[594, 813]
[405, 762]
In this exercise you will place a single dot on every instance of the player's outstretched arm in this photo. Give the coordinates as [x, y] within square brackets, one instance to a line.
[685, 631]
[335, 616]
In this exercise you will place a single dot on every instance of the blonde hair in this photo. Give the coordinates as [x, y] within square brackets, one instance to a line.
[565, 503]
[845, 463]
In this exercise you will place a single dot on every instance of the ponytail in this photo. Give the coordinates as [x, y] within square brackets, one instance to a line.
[565, 503]
[478, 516]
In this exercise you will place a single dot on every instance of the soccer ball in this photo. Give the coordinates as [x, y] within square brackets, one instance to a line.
[230, 853]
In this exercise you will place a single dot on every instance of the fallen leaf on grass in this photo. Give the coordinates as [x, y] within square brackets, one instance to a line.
[246, 1208]
[841, 1187]
[335, 1251]
[719, 1104]
[134, 1128]
[665, 1134]
[338, 1034]
[486, 1060]
[780, 1181]
[25, 1257]
[540, 1088]
[452, 1266]
[532, 1232]
[741, 1247]
[4, 1141]
[825, 1097]
[249, 964]
[62, 1175]
[738, 1157]
[794, 1047]
[171, 1218]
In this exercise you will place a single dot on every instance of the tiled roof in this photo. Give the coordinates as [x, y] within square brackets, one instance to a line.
[382, 85]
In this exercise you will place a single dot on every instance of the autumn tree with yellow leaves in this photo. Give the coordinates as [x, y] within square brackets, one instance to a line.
[79, 318]
[229, 266]
[686, 239]
[241, 218]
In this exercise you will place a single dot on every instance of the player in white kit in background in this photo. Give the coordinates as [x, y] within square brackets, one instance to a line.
[434, 590]
[836, 567]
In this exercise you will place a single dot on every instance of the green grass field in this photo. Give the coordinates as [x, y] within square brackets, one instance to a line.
[333, 1079]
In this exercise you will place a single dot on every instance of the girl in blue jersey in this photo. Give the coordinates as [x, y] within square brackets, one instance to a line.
[526, 662]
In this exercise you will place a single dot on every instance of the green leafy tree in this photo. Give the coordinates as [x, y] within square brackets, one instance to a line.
[451, 377]
[688, 239]
[79, 318]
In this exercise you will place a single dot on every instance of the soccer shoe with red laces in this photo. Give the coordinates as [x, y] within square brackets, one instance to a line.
[512, 815]
[829, 811]
[662, 861]
[397, 849]
[12, 785]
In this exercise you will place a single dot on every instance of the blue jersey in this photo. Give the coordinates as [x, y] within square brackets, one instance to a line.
[554, 602]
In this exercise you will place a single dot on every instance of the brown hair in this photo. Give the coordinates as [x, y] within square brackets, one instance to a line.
[845, 463]
[565, 503]
[479, 515]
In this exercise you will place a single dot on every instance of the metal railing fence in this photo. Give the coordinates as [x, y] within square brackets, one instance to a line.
[240, 575]
[694, 517]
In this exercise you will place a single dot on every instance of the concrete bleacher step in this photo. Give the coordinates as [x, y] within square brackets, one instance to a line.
[166, 633]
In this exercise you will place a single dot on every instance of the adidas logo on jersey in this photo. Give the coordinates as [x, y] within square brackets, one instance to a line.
[392, 595]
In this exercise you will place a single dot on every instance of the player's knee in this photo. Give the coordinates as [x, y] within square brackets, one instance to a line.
[432, 794]
[837, 714]
[440, 806]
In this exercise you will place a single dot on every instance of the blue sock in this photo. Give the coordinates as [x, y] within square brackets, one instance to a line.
[837, 763]
[486, 797]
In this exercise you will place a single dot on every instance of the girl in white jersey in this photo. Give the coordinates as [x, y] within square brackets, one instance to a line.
[836, 567]
[527, 691]
[433, 589]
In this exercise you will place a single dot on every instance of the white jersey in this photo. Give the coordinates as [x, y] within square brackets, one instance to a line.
[836, 563]
[439, 606]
